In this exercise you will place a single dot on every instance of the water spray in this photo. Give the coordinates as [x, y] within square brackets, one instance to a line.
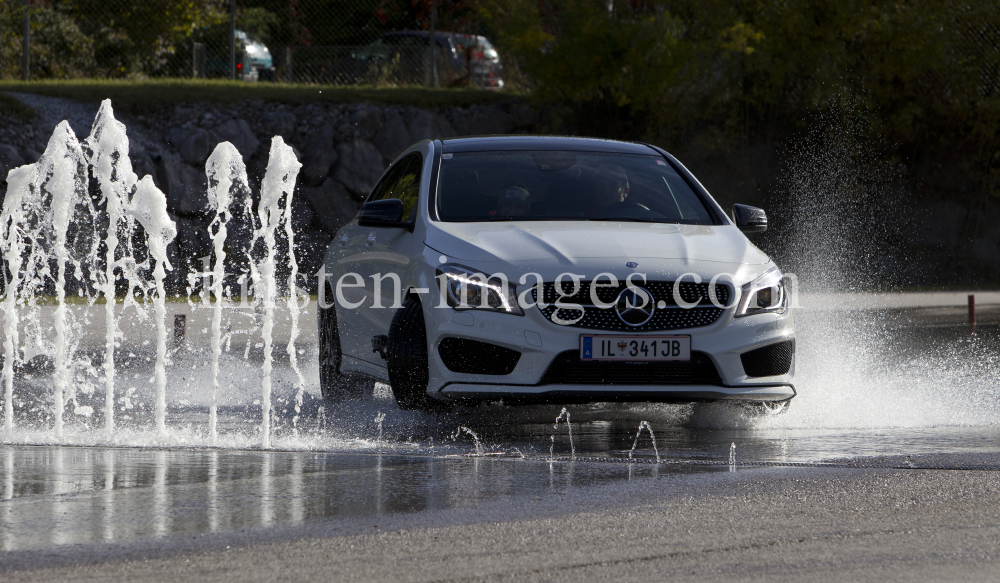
[572, 447]
[645, 425]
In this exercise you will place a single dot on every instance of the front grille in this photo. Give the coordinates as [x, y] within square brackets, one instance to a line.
[473, 357]
[667, 316]
[568, 369]
[769, 361]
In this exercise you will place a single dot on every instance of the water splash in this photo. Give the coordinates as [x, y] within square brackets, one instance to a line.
[108, 145]
[645, 425]
[841, 234]
[149, 207]
[227, 187]
[46, 215]
[471, 433]
[379, 418]
[569, 426]
[50, 234]
[732, 457]
[278, 184]
[321, 420]
[68, 188]
[293, 310]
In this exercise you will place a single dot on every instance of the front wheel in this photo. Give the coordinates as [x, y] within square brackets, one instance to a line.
[769, 408]
[334, 386]
[406, 358]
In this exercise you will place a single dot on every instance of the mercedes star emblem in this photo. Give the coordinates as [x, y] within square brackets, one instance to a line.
[634, 306]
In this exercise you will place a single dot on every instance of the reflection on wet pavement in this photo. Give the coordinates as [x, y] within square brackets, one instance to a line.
[71, 495]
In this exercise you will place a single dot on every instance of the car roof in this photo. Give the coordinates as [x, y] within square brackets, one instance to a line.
[492, 143]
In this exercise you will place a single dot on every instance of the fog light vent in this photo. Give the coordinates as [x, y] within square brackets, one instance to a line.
[769, 361]
[474, 357]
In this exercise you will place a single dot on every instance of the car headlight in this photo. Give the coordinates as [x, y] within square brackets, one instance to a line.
[766, 294]
[466, 289]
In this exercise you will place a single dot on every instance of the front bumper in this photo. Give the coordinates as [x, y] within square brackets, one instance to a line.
[575, 394]
[540, 342]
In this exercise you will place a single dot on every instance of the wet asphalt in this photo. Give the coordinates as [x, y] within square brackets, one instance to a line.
[847, 486]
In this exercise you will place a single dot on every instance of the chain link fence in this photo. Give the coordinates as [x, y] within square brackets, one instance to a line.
[301, 41]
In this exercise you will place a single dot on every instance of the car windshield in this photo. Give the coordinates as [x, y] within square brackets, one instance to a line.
[565, 186]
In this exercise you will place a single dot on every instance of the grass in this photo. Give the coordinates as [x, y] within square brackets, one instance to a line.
[146, 95]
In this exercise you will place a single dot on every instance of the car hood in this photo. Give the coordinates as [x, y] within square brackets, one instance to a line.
[567, 242]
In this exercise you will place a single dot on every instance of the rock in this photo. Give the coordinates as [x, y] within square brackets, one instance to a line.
[331, 204]
[238, 133]
[392, 138]
[426, 125]
[10, 158]
[176, 135]
[195, 149]
[359, 167]
[279, 123]
[143, 165]
[185, 187]
[185, 113]
[191, 143]
[366, 121]
[318, 156]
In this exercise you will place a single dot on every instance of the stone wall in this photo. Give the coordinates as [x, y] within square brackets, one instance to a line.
[910, 238]
[344, 149]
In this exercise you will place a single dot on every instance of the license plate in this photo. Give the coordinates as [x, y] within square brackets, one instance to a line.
[635, 348]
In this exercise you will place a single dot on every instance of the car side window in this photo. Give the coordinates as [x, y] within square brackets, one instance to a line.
[384, 187]
[402, 181]
[407, 188]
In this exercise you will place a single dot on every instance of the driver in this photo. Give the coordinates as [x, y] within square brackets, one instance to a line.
[611, 186]
[515, 201]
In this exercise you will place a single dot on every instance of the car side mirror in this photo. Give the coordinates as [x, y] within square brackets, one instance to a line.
[749, 219]
[382, 213]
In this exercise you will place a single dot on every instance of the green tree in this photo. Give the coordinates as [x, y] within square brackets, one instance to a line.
[142, 37]
[58, 48]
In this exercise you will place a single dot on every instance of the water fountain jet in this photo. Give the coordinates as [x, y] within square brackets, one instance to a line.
[572, 447]
[278, 184]
[227, 186]
[471, 433]
[645, 425]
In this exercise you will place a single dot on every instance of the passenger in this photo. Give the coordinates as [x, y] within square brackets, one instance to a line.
[515, 201]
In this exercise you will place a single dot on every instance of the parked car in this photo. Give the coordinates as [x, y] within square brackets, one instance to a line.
[463, 59]
[256, 62]
[253, 59]
[548, 269]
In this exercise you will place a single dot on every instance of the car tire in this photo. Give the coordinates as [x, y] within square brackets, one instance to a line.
[406, 359]
[333, 385]
[769, 408]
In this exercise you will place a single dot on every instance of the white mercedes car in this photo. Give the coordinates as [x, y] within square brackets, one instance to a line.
[551, 270]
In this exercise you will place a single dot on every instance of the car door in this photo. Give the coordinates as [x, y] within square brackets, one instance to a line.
[355, 249]
[387, 255]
